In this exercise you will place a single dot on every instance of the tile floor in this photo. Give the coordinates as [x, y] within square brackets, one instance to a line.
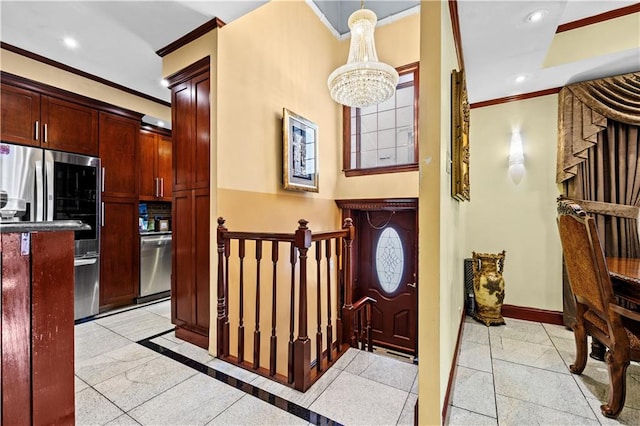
[122, 380]
[518, 375]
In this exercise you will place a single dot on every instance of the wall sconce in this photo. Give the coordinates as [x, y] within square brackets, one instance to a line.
[516, 157]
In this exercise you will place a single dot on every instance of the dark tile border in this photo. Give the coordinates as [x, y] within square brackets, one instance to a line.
[279, 402]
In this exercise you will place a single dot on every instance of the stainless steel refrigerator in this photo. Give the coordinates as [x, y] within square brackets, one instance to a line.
[45, 185]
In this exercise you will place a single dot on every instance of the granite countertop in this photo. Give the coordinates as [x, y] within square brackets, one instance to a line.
[55, 225]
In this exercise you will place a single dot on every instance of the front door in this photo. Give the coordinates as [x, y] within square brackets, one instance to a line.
[386, 270]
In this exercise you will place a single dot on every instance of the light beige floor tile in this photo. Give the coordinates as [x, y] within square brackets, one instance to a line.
[93, 408]
[92, 339]
[253, 411]
[345, 359]
[514, 412]
[526, 331]
[594, 382]
[102, 367]
[79, 384]
[542, 387]
[136, 324]
[473, 391]
[628, 416]
[475, 332]
[233, 371]
[193, 352]
[354, 400]
[360, 362]
[197, 400]
[161, 308]
[475, 355]
[414, 388]
[138, 385]
[123, 420]
[391, 372]
[558, 331]
[461, 417]
[525, 353]
[407, 415]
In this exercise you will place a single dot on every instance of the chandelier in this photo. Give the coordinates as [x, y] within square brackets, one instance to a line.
[362, 81]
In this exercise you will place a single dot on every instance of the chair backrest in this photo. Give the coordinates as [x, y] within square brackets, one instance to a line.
[584, 258]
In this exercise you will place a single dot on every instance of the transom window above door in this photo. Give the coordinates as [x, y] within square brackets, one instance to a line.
[383, 138]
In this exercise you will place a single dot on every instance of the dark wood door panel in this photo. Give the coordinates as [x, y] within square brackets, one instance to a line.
[20, 119]
[68, 126]
[120, 252]
[164, 167]
[147, 165]
[202, 245]
[183, 271]
[201, 91]
[182, 132]
[119, 153]
[386, 271]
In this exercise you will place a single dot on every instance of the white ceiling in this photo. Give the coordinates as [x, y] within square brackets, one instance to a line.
[118, 39]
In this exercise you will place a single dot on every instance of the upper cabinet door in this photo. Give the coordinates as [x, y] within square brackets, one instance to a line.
[20, 120]
[119, 153]
[148, 177]
[182, 131]
[164, 167]
[201, 113]
[67, 126]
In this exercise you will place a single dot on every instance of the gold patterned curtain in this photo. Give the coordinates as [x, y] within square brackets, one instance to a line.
[583, 112]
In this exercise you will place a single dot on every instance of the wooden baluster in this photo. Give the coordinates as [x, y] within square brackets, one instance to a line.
[368, 316]
[348, 280]
[274, 339]
[227, 331]
[292, 310]
[340, 266]
[222, 297]
[241, 314]
[329, 327]
[318, 306]
[256, 333]
[302, 345]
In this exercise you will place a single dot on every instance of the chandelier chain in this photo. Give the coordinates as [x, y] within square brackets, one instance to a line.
[379, 227]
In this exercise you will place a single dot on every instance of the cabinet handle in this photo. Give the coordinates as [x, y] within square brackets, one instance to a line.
[155, 194]
[37, 133]
[102, 221]
[104, 173]
[45, 133]
[162, 187]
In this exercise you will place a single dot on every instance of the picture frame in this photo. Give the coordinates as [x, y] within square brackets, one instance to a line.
[460, 184]
[299, 153]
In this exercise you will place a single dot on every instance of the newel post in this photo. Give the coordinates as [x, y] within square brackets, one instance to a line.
[222, 320]
[302, 345]
[347, 314]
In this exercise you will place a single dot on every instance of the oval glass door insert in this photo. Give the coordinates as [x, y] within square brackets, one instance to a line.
[389, 256]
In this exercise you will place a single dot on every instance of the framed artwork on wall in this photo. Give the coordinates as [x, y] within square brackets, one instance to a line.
[299, 153]
[460, 186]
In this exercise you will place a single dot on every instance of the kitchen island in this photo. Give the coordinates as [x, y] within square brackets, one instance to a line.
[37, 332]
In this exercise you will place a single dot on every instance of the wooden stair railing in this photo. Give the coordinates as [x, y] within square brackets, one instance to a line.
[323, 288]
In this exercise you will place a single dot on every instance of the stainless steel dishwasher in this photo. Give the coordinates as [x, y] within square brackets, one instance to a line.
[155, 265]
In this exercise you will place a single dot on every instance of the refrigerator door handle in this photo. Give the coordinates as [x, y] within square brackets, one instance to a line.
[102, 214]
[49, 182]
[39, 201]
[104, 173]
[84, 262]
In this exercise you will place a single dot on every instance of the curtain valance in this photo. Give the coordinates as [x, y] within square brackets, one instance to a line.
[583, 112]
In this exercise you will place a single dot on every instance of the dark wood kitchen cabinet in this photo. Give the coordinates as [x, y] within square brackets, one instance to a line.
[32, 118]
[120, 252]
[119, 238]
[155, 165]
[190, 280]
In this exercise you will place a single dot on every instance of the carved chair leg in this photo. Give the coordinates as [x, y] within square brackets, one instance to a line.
[580, 335]
[617, 364]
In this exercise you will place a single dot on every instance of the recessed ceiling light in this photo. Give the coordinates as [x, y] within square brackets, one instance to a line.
[70, 42]
[164, 82]
[521, 78]
[160, 123]
[536, 16]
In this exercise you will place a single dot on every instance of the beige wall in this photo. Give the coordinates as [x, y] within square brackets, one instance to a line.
[518, 218]
[28, 68]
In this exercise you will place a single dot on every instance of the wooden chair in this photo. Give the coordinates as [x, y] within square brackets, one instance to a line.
[598, 313]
